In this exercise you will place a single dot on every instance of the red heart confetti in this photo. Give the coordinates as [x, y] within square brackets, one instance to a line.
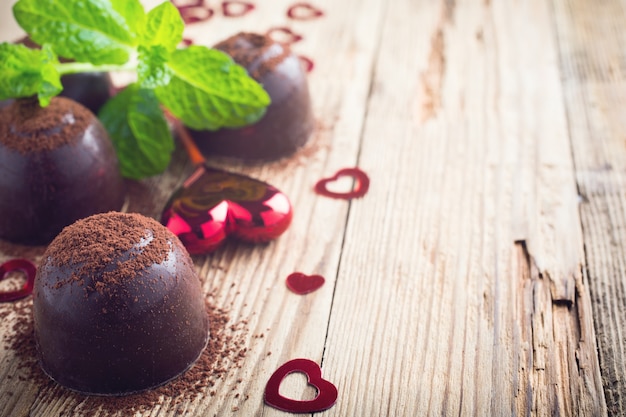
[326, 391]
[307, 63]
[214, 204]
[189, 3]
[21, 265]
[283, 35]
[303, 284]
[361, 184]
[304, 11]
[235, 8]
[195, 14]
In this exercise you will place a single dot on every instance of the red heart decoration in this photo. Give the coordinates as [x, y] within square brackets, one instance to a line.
[235, 8]
[195, 14]
[307, 63]
[213, 204]
[361, 184]
[22, 265]
[326, 391]
[304, 11]
[283, 35]
[303, 284]
[191, 3]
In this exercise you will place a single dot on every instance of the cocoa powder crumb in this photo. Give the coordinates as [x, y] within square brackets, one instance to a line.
[26, 127]
[92, 244]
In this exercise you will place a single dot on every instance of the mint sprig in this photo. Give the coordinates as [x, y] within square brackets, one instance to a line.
[141, 130]
[202, 87]
[27, 72]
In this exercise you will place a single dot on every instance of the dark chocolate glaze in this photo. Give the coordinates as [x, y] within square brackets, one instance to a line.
[137, 335]
[288, 121]
[46, 190]
[91, 90]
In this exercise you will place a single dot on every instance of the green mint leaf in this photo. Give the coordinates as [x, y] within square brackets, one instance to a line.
[164, 27]
[133, 13]
[139, 132]
[85, 30]
[27, 72]
[152, 69]
[208, 90]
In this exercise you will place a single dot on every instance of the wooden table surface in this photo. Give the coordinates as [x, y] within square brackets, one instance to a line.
[484, 271]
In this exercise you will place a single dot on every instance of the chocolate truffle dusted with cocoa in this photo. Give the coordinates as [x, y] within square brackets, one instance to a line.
[57, 165]
[288, 121]
[118, 307]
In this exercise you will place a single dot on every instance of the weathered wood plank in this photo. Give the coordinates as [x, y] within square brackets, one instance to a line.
[592, 51]
[465, 259]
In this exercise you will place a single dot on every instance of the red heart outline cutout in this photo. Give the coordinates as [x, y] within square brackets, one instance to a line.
[361, 185]
[326, 391]
[21, 265]
[303, 284]
[304, 11]
[214, 204]
[229, 8]
[193, 3]
[307, 63]
[195, 14]
[283, 35]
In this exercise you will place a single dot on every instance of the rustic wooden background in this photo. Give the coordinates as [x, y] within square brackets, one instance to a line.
[484, 272]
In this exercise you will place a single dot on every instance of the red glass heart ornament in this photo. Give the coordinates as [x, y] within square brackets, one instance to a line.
[326, 391]
[359, 189]
[283, 35]
[21, 265]
[304, 11]
[303, 284]
[235, 8]
[214, 204]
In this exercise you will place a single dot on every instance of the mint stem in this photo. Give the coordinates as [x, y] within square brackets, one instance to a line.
[75, 67]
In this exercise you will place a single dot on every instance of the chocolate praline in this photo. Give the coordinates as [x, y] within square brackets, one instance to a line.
[118, 306]
[57, 165]
[288, 121]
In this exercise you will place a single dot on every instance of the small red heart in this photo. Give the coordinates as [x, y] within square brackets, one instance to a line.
[304, 11]
[361, 184]
[235, 8]
[307, 63]
[303, 284]
[283, 35]
[326, 391]
[214, 204]
[189, 3]
[195, 14]
[22, 265]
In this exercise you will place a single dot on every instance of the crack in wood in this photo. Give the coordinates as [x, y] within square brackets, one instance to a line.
[555, 340]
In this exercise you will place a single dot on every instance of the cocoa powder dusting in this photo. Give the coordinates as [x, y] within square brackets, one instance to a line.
[247, 49]
[26, 127]
[93, 243]
[225, 351]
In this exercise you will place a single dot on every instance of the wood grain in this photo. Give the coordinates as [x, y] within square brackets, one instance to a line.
[592, 46]
[467, 284]
[469, 279]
